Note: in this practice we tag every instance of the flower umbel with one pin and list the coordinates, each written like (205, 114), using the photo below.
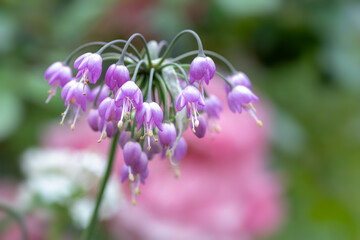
(149, 104)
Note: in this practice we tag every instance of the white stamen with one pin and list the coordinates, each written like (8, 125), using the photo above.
(75, 118)
(64, 115)
(252, 113)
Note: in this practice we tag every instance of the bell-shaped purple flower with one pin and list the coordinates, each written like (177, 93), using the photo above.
(137, 166)
(202, 69)
(108, 110)
(155, 148)
(194, 102)
(74, 94)
(93, 119)
(129, 96)
(96, 123)
(99, 94)
(241, 97)
(57, 74)
(167, 136)
(136, 172)
(200, 130)
(180, 151)
(108, 129)
(149, 115)
(116, 76)
(132, 152)
(213, 107)
(238, 79)
(89, 66)
(124, 138)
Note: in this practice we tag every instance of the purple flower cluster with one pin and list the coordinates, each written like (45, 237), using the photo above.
(132, 102)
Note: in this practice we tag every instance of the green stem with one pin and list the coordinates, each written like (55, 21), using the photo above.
(165, 98)
(225, 79)
(171, 45)
(151, 77)
(90, 229)
(17, 217)
(137, 69)
(210, 53)
(121, 59)
(179, 67)
(68, 59)
(109, 44)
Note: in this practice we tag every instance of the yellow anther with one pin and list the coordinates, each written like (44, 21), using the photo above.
(131, 177)
(189, 119)
(72, 127)
(120, 124)
(168, 152)
(84, 94)
(61, 123)
(148, 148)
(156, 140)
(127, 114)
(193, 130)
(137, 191)
(62, 114)
(103, 135)
(133, 202)
(129, 121)
(99, 141)
(133, 108)
(150, 133)
(217, 128)
(49, 92)
(259, 123)
(141, 137)
(196, 123)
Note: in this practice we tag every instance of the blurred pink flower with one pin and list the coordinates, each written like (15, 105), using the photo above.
(225, 190)
(35, 223)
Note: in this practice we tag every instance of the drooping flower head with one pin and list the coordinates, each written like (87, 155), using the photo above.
(129, 96)
(238, 79)
(108, 110)
(109, 113)
(98, 94)
(212, 109)
(136, 164)
(194, 102)
(116, 76)
(74, 93)
(149, 115)
(124, 137)
(155, 148)
(180, 151)
(167, 136)
(89, 66)
(202, 69)
(240, 98)
(200, 130)
(57, 74)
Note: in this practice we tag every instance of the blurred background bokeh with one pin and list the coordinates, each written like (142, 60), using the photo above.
(302, 56)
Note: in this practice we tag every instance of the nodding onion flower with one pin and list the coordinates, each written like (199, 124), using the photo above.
(141, 98)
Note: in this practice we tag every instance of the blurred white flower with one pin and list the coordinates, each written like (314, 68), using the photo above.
(69, 178)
